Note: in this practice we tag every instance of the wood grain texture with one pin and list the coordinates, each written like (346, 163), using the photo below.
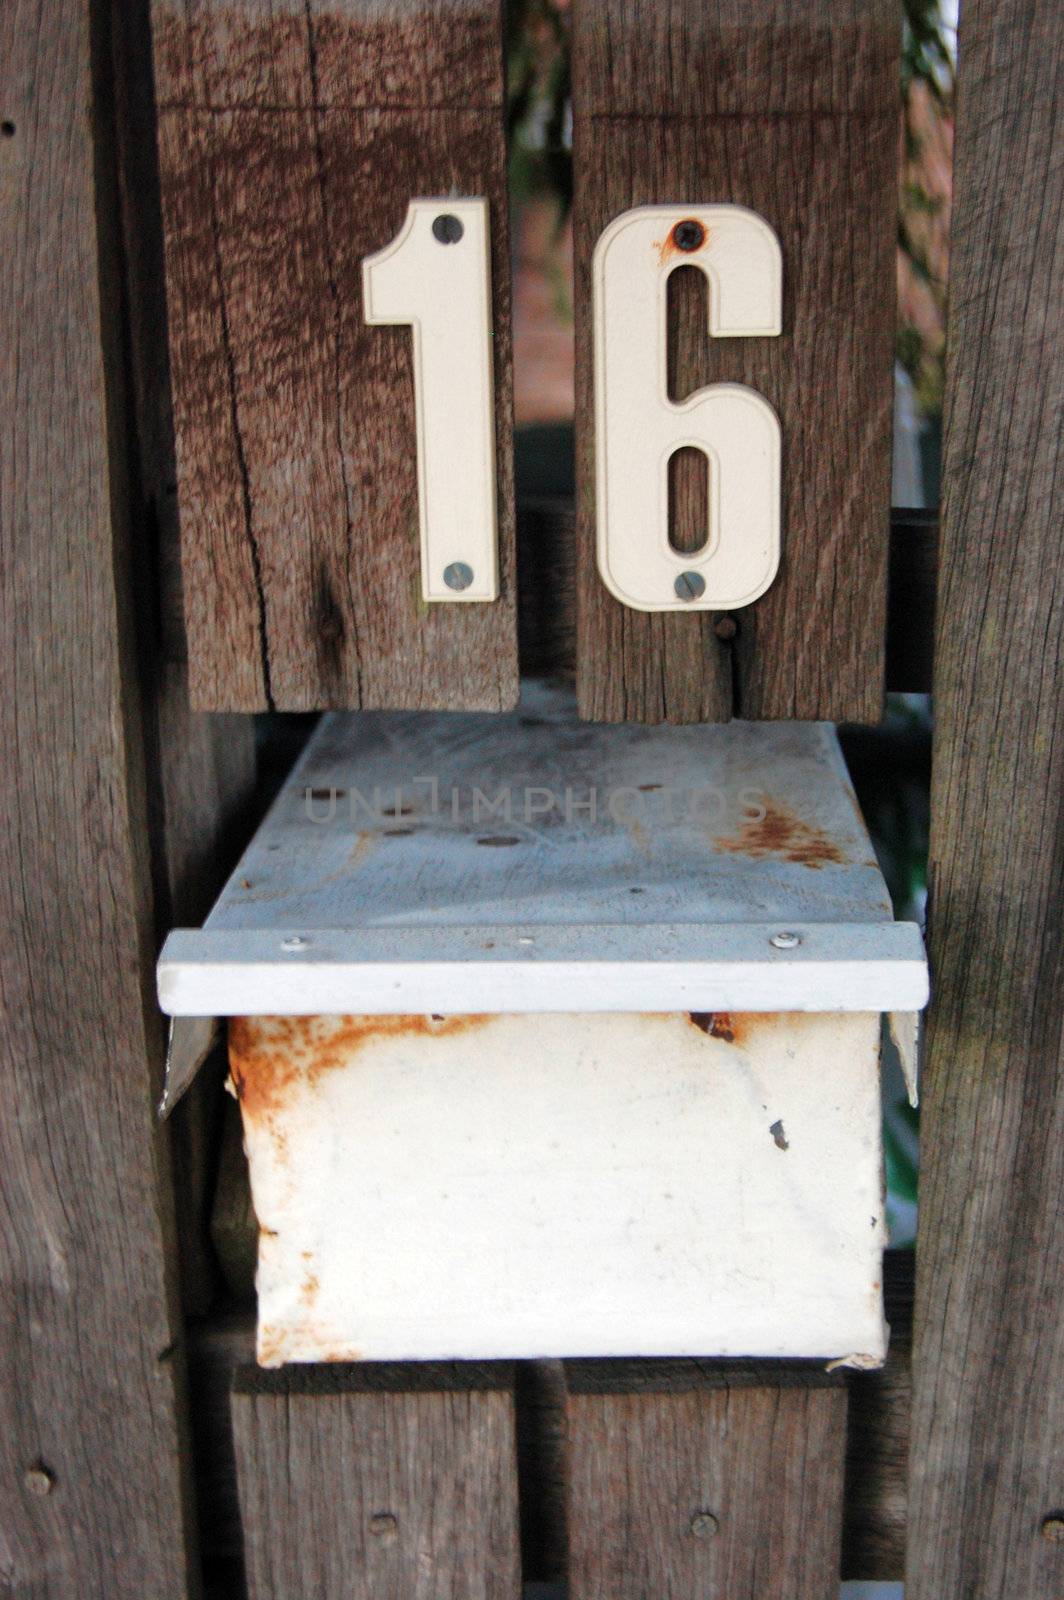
(693, 1480)
(201, 769)
(378, 1483)
(988, 1421)
(92, 1491)
(792, 111)
(291, 138)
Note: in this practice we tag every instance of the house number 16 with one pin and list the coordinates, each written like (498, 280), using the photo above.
(436, 276)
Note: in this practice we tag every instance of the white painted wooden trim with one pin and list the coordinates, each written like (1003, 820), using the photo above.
(866, 966)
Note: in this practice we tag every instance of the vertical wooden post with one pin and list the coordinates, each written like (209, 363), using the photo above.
(790, 109)
(92, 1490)
(987, 1467)
(200, 768)
(378, 1482)
(693, 1480)
(291, 139)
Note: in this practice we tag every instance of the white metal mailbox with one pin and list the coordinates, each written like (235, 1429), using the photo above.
(559, 1039)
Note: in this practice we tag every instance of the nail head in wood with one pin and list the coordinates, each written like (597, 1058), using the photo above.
(39, 1480)
(704, 1525)
(1053, 1528)
(384, 1526)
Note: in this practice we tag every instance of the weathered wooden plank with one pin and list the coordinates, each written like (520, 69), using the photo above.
(378, 1483)
(201, 769)
(876, 1454)
(987, 1464)
(92, 1492)
(291, 139)
(792, 111)
(693, 1480)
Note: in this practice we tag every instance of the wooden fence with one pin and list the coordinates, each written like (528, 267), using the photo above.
(216, 174)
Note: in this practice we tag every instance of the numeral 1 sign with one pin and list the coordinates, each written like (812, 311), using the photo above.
(638, 428)
(435, 276)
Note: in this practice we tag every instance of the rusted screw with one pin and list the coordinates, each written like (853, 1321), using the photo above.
(688, 235)
(725, 627)
(39, 1480)
(459, 575)
(704, 1525)
(1053, 1527)
(384, 1525)
(690, 585)
(447, 228)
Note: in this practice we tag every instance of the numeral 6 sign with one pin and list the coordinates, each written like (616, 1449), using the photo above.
(436, 276)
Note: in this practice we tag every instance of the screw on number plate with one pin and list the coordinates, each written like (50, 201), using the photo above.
(688, 235)
(690, 585)
(447, 228)
(295, 941)
(785, 941)
(458, 575)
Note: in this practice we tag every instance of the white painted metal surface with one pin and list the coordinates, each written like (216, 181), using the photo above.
(638, 427)
(565, 1185)
(530, 862)
(435, 276)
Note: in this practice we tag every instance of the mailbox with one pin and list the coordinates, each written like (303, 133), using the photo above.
(558, 1039)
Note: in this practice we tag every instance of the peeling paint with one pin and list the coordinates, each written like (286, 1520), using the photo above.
(742, 1028)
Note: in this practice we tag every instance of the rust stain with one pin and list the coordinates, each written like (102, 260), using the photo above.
(742, 1028)
(271, 1057)
(717, 1024)
(668, 248)
(275, 1346)
(780, 833)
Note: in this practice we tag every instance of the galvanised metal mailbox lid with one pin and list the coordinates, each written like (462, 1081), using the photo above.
(530, 862)
(553, 1039)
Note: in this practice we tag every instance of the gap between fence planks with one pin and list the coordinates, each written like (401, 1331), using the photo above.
(93, 1484)
(710, 1479)
(375, 1482)
(988, 1420)
(547, 600)
(291, 139)
(792, 110)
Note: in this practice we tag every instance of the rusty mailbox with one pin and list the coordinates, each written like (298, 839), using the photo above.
(558, 1039)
